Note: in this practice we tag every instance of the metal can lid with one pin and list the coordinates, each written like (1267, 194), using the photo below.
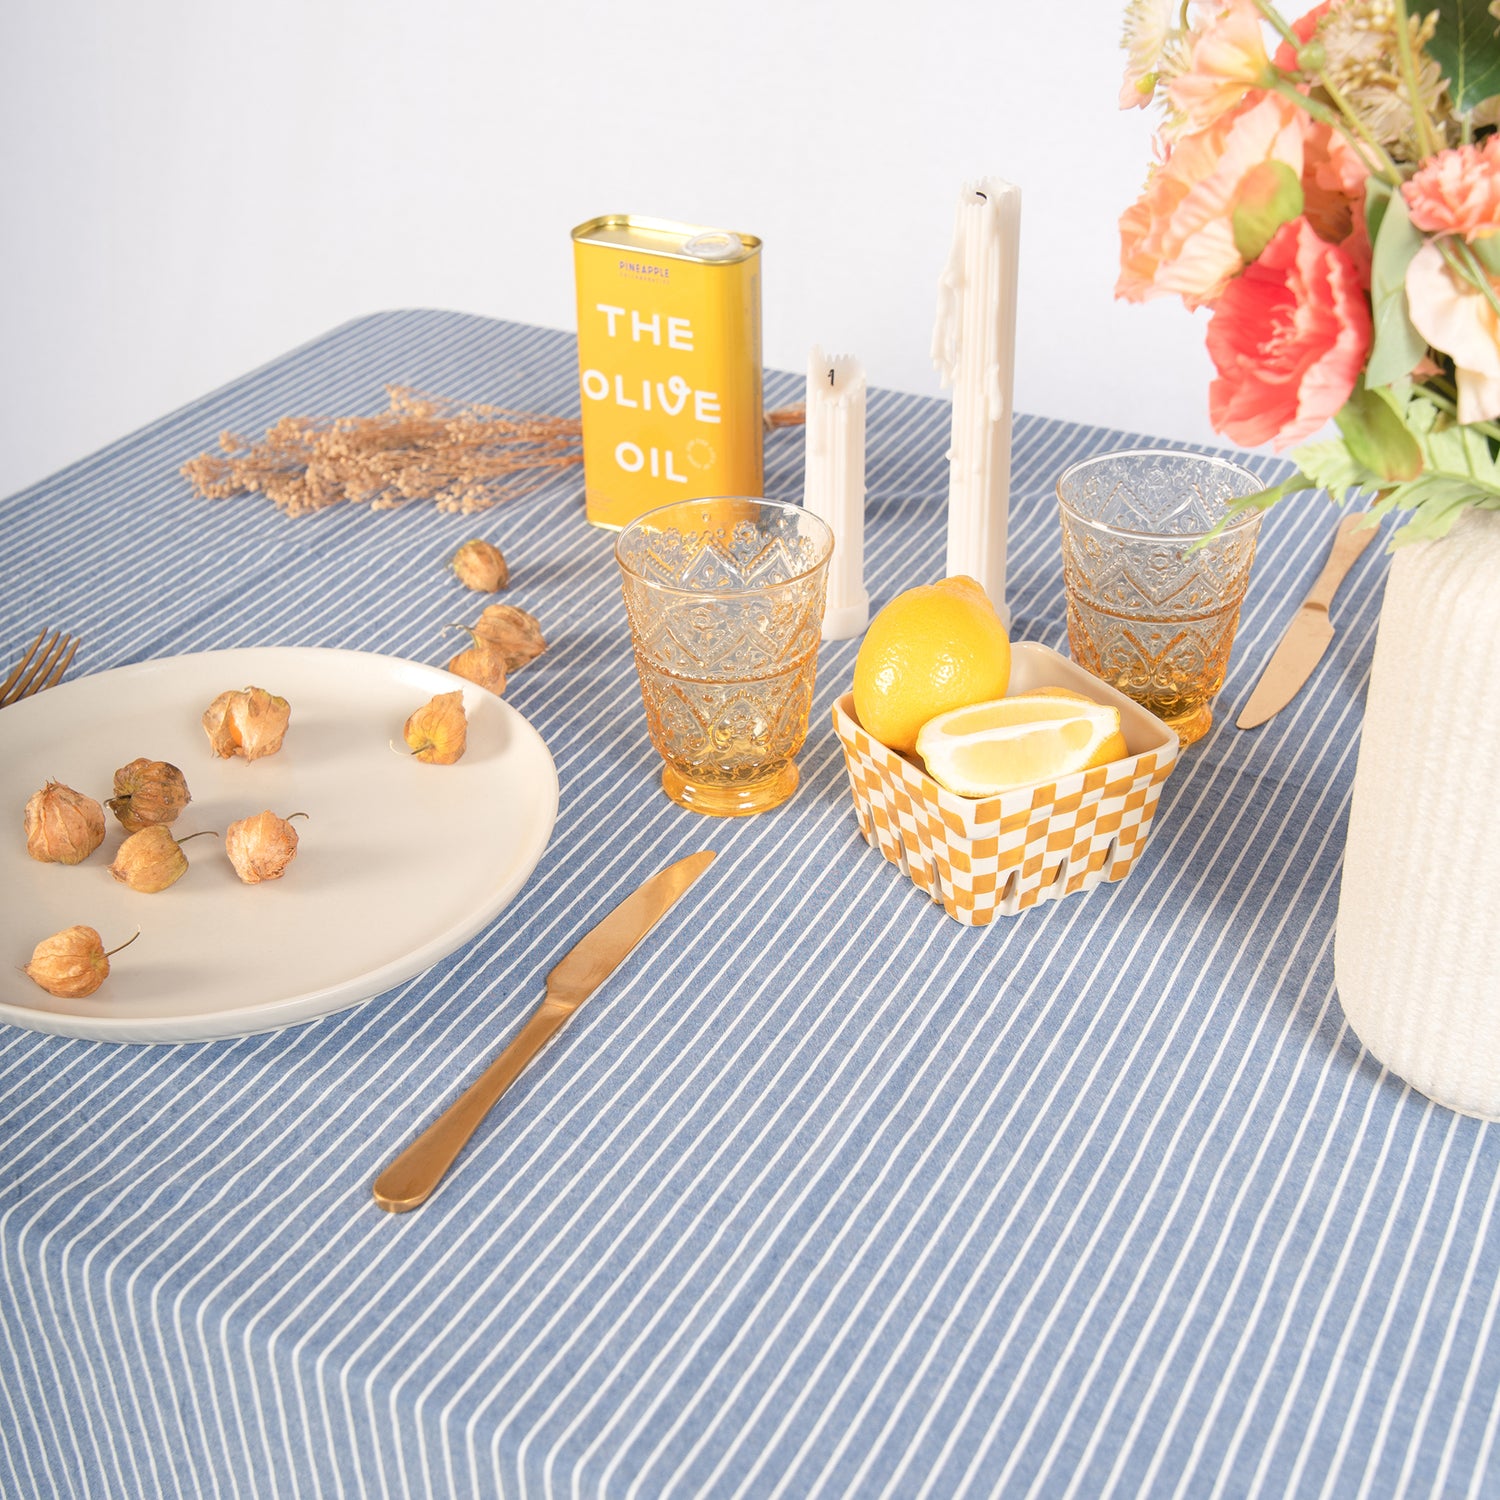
(714, 244)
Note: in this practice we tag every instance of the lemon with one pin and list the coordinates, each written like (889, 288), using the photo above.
(931, 649)
(985, 748)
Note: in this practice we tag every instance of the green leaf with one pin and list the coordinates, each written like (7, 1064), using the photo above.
(1487, 252)
(1397, 346)
(1269, 195)
(1377, 437)
(1377, 200)
(1330, 466)
(1464, 48)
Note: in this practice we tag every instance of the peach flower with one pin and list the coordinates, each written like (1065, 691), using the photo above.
(1288, 339)
(1227, 60)
(1456, 317)
(1458, 191)
(1333, 186)
(1179, 235)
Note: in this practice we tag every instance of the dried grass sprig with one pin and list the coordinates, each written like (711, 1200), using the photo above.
(462, 457)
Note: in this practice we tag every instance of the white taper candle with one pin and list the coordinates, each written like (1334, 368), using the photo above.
(835, 484)
(974, 349)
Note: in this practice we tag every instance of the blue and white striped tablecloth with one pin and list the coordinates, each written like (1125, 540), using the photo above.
(825, 1194)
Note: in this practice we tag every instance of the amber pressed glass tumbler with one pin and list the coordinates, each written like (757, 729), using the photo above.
(1153, 589)
(725, 601)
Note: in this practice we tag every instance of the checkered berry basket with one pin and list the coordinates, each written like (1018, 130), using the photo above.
(999, 855)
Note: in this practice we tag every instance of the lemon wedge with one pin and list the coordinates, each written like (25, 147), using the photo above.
(992, 747)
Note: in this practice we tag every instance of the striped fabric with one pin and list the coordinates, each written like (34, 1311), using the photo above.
(824, 1194)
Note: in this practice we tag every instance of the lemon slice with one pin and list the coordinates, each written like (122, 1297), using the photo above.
(1009, 742)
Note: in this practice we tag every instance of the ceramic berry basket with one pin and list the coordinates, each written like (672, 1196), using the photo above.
(996, 856)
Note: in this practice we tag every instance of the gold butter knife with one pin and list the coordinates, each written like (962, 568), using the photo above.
(1310, 634)
(411, 1177)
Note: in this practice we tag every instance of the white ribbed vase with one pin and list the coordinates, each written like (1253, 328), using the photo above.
(1417, 951)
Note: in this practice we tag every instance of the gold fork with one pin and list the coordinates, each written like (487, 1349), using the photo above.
(46, 659)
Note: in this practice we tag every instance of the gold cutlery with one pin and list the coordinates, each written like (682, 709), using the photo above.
(46, 659)
(409, 1180)
(1310, 634)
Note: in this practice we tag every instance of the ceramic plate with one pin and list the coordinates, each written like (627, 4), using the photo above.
(398, 862)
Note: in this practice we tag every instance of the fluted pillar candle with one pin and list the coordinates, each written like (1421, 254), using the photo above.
(834, 488)
(973, 347)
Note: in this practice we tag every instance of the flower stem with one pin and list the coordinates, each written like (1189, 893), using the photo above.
(1449, 405)
(1422, 125)
(1382, 166)
(1465, 265)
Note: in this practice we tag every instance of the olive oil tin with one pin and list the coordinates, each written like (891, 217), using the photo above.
(669, 364)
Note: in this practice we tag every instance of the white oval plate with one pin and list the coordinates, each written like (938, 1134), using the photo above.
(398, 863)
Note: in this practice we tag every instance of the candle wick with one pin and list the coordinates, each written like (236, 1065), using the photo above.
(830, 377)
(978, 194)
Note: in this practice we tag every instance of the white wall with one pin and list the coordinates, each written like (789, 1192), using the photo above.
(191, 187)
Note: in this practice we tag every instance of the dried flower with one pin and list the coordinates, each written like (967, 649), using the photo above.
(516, 633)
(481, 566)
(462, 457)
(71, 963)
(146, 792)
(261, 847)
(1148, 24)
(250, 722)
(152, 859)
(62, 826)
(482, 663)
(438, 732)
(1362, 61)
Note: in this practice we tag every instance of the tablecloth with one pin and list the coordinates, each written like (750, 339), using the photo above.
(824, 1193)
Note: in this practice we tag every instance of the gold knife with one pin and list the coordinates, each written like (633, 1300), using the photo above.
(1310, 634)
(411, 1177)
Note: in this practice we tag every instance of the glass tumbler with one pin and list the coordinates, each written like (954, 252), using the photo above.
(725, 601)
(1153, 599)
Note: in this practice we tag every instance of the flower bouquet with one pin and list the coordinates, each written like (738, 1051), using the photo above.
(1329, 188)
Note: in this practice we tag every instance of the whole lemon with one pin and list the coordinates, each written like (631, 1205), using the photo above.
(931, 649)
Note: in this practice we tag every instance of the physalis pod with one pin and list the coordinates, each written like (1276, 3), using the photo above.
(147, 792)
(152, 859)
(514, 633)
(62, 826)
(71, 963)
(481, 566)
(249, 722)
(438, 732)
(261, 847)
(482, 663)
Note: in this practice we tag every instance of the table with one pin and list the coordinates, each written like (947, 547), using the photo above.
(824, 1194)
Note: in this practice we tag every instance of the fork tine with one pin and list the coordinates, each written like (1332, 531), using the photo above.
(21, 666)
(56, 675)
(36, 679)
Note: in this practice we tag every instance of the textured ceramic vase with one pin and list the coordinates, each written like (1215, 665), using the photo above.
(1417, 951)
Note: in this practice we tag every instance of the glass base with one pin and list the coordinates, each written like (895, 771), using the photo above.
(737, 800)
(1191, 727)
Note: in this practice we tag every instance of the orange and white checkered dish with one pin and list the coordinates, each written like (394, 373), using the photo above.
(998, 855)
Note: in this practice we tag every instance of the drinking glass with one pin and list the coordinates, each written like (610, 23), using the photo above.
(725, 601)
(1153, 598)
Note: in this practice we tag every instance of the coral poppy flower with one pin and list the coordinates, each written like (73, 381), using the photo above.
(1289, 339)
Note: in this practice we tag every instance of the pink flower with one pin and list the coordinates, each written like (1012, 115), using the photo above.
(1178, 237)
(1288, 339)
(1458, 191)
(1457, 318)
(1227, 61)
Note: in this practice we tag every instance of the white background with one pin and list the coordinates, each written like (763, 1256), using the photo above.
(191, 188)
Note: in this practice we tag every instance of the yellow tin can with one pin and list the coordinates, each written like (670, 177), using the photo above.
(669, 364)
